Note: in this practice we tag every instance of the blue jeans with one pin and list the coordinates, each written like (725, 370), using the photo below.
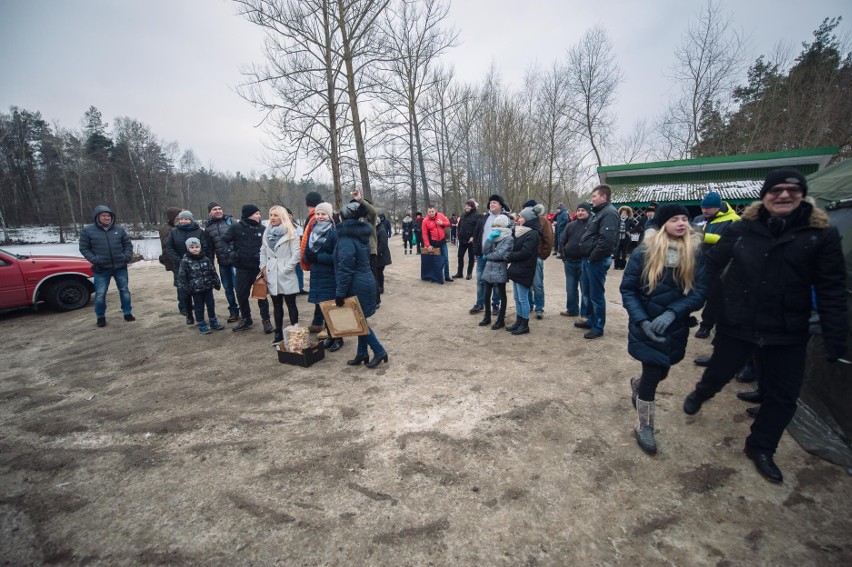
(372, 341)
(480, 285)
(445, 252)
(536, 296)
(595, 275)
(573, 278)
(228, 274)
(522, 301)
(102, 285)
(300, 275)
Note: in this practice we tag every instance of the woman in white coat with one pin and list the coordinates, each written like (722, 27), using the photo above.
(279, 256)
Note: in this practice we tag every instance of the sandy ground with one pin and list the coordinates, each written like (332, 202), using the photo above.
(147, 443)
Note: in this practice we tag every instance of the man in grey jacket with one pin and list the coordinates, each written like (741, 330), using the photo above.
(596, 246)
(107, 247)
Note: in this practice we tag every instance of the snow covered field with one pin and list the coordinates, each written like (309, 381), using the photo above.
(45, 240)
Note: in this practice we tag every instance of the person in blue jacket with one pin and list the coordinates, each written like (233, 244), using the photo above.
(663, 283)
(106, 245)
(354, 276)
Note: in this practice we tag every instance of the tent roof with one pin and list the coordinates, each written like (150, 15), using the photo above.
(831, 184)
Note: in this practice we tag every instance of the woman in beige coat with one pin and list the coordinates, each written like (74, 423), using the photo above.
(279, 256)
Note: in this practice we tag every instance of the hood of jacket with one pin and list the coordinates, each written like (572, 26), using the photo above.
(353, 228)
(102, 209)
(726, 213)
(817, 218)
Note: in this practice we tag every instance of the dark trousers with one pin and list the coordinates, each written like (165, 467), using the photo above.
(184, 299)
(380, 278)
(374, 267)
(465, 248)
(278, 309)
(453, 232)
(652, 375)
(406, 242)
(781, 371)
(417, 243)
(202, 299)
(242, 288)
(501, 292)
(621, 253)
(714, 299)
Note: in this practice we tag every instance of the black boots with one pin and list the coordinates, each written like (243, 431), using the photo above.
(487, 319)
(523, 326)
(359, 358)
(764, 464)
(692, 403)
(499, 324)
(645, 428)
(754, 397)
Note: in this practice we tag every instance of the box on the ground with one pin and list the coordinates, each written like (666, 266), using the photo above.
(305, 358)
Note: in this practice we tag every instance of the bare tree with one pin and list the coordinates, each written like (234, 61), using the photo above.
(594, 76)
(709, 61)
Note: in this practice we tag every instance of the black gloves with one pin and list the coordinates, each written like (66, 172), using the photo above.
(338, 301)
(310, 256)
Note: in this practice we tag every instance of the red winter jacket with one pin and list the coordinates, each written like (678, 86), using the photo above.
(432, 231)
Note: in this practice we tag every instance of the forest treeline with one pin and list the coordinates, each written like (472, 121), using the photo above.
(355, 91)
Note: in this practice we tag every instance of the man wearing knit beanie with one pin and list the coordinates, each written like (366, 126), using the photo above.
(244, 239)
(467, 229)
(781, 260)
(545, 247)
(597, 245)
(217, 225)
(715, 218)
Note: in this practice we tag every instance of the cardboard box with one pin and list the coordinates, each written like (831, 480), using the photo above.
(304, 359)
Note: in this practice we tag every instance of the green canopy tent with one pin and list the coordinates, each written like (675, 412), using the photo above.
(823, 421)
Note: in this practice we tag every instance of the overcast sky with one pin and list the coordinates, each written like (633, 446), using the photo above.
(173, 64)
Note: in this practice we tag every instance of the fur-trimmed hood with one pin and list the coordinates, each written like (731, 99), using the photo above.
(627, 210)
(817, 218)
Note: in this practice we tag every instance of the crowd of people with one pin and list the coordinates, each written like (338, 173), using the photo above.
(758, 277)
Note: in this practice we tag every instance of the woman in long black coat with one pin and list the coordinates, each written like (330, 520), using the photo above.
(522, 265)
(354, 277)
(663, 283)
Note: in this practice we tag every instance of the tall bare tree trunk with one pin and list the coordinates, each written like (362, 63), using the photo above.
(332, 110)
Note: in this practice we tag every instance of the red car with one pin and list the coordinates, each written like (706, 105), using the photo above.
(64, 282)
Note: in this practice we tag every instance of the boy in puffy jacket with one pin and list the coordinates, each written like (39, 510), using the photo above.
(198, 278)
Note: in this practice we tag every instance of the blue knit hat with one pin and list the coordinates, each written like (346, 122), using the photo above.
(711, 200)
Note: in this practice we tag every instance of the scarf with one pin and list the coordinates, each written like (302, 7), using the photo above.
(407, 218)
(521, 230)
(672, 257)
(274, 234)
(318, 235)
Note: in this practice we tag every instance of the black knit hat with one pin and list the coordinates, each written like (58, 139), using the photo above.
(530, 203)
(313, 199)
(785, 175)
(212, 204)
(668, 211)
(585, 206)
(249, 210)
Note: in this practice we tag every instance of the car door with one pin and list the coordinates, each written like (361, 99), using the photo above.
(13, 292)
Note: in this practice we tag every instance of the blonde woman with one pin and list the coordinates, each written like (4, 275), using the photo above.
(279, 256)
(662, 284)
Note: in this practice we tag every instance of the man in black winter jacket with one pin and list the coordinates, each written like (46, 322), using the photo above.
(244, 239)
(780, 261)
(466, 230)
(216, 227)
(572, 258)
(107, 247)
(597, 245)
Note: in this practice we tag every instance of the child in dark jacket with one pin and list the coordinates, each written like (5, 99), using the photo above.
(198, 278)
(664, 282)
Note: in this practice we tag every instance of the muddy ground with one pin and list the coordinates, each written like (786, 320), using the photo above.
(147, 443)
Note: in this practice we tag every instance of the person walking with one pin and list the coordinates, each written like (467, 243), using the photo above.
(279, 256)
(779, 259)
(217, 225)
(466, 232)
(572, 260)
(496, 272)
(107, 247)
(662, 284)
(596, 245)
(354, 277)
(244, 239)
(522, 266)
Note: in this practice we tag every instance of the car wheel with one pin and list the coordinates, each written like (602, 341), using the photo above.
(68, 295)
